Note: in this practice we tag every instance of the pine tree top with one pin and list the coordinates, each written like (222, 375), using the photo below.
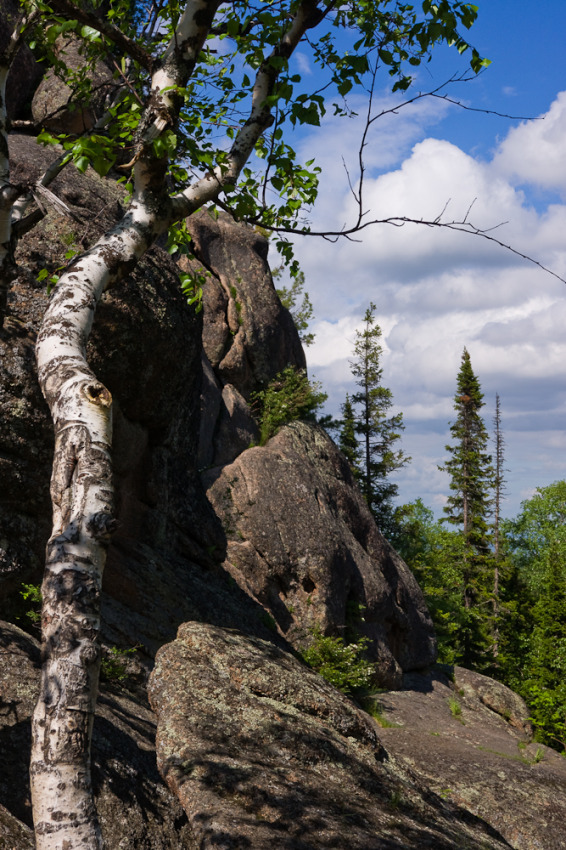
(468, 388)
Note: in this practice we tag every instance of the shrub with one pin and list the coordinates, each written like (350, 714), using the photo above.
(289, 396)
(455, 708)
(340, 664)
(113, 666)
(24, 608)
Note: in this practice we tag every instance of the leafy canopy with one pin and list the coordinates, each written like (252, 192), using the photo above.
(347, 43)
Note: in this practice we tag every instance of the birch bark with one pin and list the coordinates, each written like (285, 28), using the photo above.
(81, 485)
(81, 493)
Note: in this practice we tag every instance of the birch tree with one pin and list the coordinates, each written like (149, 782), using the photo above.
(204, 92)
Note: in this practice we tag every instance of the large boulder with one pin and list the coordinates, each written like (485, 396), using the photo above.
(55, 104)
(163, 564)
(248, 336)
(25, 72)
(302, 541)
(263, 753)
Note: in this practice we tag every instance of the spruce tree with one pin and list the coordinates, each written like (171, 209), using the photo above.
(347, 440)
(379, 432)
(498, 495)
(469, 509)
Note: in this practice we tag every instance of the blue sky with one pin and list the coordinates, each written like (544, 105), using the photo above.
(437, 292)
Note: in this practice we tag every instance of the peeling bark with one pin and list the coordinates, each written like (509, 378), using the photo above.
(81, 484)
(82, 495)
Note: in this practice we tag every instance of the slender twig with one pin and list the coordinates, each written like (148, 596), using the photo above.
(463, 226)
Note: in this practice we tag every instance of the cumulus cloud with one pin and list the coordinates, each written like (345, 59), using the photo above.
(533, 152)
(437, 291)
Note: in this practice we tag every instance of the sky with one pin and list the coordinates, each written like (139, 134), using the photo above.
(437, 291)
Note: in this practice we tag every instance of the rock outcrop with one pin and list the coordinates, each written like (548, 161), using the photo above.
(26, 72)
(136, 810)
(302, 541)
(248, 336)
(57, 106)
(255, 746)
(163, 564)
(468, 739)
(263, 753)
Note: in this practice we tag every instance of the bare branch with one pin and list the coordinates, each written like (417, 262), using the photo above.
(462, 226)
(41, 193)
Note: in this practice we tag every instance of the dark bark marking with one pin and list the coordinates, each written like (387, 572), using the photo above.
(102, 525)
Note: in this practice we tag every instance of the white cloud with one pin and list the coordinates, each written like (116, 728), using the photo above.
(437, 291)
(533, 152)
(303, 63)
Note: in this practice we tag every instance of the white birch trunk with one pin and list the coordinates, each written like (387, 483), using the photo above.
(81, 484)
(81, 492)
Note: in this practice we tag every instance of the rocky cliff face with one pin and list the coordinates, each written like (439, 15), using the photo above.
(254, 749)
(301, 540)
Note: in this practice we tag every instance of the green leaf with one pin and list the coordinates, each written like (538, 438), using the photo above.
(90, 34)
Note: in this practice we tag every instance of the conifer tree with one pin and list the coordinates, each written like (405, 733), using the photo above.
(498, 493)
(298, 302)
(469, 508)
(347, 440)
(379, 432)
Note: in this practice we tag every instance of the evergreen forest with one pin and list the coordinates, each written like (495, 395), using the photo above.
(495, 588)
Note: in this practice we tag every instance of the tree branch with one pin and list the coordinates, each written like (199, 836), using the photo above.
(260, 118)
(112, 33)
(462, 226)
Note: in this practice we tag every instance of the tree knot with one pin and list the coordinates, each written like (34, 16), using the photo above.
(98, 394)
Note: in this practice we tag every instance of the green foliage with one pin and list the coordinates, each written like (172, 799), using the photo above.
(31, 595)
(378, 432)
(372, 706)
(532, 602)
(469, 466)
(113, 666)
(297, 301)
(192, 287)
(469, 510)
(268, 621)
(348, 44)
(455, 708)
(535, 641)
(341, 664)
(24, 608)
(347, 440)
(437, 556)
(288, 397)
